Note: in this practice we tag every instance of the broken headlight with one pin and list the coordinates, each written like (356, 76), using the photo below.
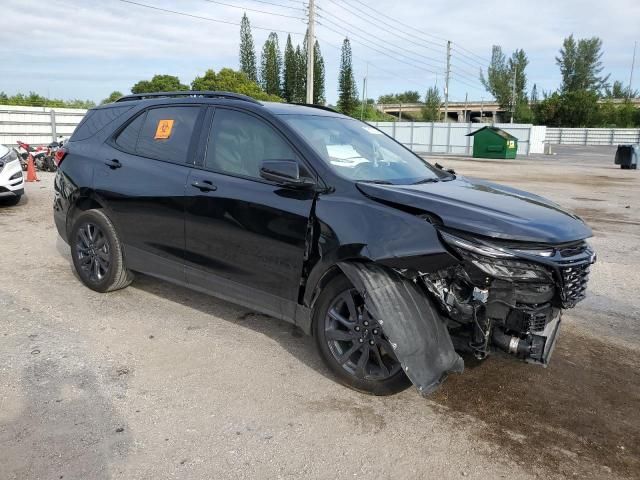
(495, 261)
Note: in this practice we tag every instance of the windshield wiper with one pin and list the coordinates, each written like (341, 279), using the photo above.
(379, 182)
(426, 180)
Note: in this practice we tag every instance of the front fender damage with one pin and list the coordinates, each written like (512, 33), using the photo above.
(414, 327)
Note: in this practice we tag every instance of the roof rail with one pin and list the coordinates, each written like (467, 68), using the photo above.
(314, 105)
(188, 93)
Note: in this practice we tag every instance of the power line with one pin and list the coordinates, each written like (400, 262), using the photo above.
(396, 52)
(253, 9)
(419, 32)
(378, 51)
(388, 72)
(484, 60)
(393, 30)
(209, 19)
(282, 6)
(377, 19)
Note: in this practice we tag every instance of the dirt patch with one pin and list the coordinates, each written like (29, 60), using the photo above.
(594, 215)
(579, 415)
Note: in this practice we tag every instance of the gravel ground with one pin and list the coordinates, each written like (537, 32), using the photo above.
(156, 381)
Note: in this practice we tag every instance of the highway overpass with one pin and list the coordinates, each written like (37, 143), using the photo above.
(472, 111)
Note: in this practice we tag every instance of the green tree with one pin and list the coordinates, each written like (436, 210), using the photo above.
(432, 101)
(113, 96)
(33, 99)
(229, 80)
(300, 90)
(318, 76)
(159, 83)
(410, 96)
(290, 77)
(581, 65)
(500, 80)
(534, 94)
(271, 66)
(347, 89)
(248, 64)
(618, 90)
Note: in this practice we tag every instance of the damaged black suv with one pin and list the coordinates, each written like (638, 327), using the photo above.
(393, 265)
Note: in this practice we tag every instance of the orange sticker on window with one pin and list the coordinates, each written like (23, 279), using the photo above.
(163, 130)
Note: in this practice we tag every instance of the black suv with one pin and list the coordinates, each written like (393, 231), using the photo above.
(393, 265)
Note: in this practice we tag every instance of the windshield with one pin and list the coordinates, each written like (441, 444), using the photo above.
(359, 152)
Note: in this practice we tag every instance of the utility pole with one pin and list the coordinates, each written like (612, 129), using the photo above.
(446, 82)
(633, 65)
(464, 112)
(481, 109)
(311, 42)
(513, 92)
(364, 92)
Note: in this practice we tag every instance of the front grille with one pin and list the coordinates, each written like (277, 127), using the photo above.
(574, 284)
(575, 249)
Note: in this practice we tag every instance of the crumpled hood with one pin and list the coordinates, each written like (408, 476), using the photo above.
(486, 209)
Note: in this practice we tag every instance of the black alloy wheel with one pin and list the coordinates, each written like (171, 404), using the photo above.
(353, 344)
(93, 252)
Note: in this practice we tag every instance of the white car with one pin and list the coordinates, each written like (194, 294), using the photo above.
(11, 178)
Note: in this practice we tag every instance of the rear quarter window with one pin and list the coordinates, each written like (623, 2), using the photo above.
(96, 120)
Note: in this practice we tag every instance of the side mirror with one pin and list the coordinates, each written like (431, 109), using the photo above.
(284, 172)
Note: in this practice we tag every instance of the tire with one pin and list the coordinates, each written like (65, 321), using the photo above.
(10, 201)
(379, 373)
(97, 253)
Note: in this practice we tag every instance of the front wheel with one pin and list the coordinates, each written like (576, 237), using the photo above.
(97, 253)
(352, 343)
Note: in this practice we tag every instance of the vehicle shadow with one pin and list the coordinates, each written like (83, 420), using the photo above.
(288, 336)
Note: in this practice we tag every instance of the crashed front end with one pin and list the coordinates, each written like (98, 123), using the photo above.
(508, 295)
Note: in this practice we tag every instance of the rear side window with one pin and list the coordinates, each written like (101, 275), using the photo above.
(166, 133)
(128, 138)
(96, 120)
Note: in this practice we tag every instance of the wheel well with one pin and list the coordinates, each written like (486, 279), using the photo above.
(82, 204)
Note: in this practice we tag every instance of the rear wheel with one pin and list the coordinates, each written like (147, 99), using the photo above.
(352, 343)
(97, 253)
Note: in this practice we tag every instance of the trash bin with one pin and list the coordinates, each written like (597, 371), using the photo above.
(493, 142)
(627, 156)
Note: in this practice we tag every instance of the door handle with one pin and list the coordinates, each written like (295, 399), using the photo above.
(204, 186)
(113, 164)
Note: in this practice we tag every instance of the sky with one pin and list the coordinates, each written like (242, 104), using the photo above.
(86, 49)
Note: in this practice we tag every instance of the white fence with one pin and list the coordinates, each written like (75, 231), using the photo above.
(37, 125)
(592, 136)
(451, 138)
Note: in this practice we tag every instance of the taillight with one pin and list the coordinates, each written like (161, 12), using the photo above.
(59, 156)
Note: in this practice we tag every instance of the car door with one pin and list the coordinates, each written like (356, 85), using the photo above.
(245, 236)
(142, 181)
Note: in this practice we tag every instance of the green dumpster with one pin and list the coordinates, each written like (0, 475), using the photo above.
(493, 142)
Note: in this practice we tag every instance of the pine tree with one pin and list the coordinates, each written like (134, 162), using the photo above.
(300, 92)
(290, 75)
(581, 65)
(247, 51)
(432, 102)
(318, 76)
(271, 66)
(347, 90)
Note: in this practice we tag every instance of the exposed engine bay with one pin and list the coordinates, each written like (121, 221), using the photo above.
(507, 295)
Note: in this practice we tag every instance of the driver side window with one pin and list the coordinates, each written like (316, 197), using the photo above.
(239, 143)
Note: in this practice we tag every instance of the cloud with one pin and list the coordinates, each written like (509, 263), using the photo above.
(82, 48)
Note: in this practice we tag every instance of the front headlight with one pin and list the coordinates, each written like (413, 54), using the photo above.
(9, 157)
(496, 261)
